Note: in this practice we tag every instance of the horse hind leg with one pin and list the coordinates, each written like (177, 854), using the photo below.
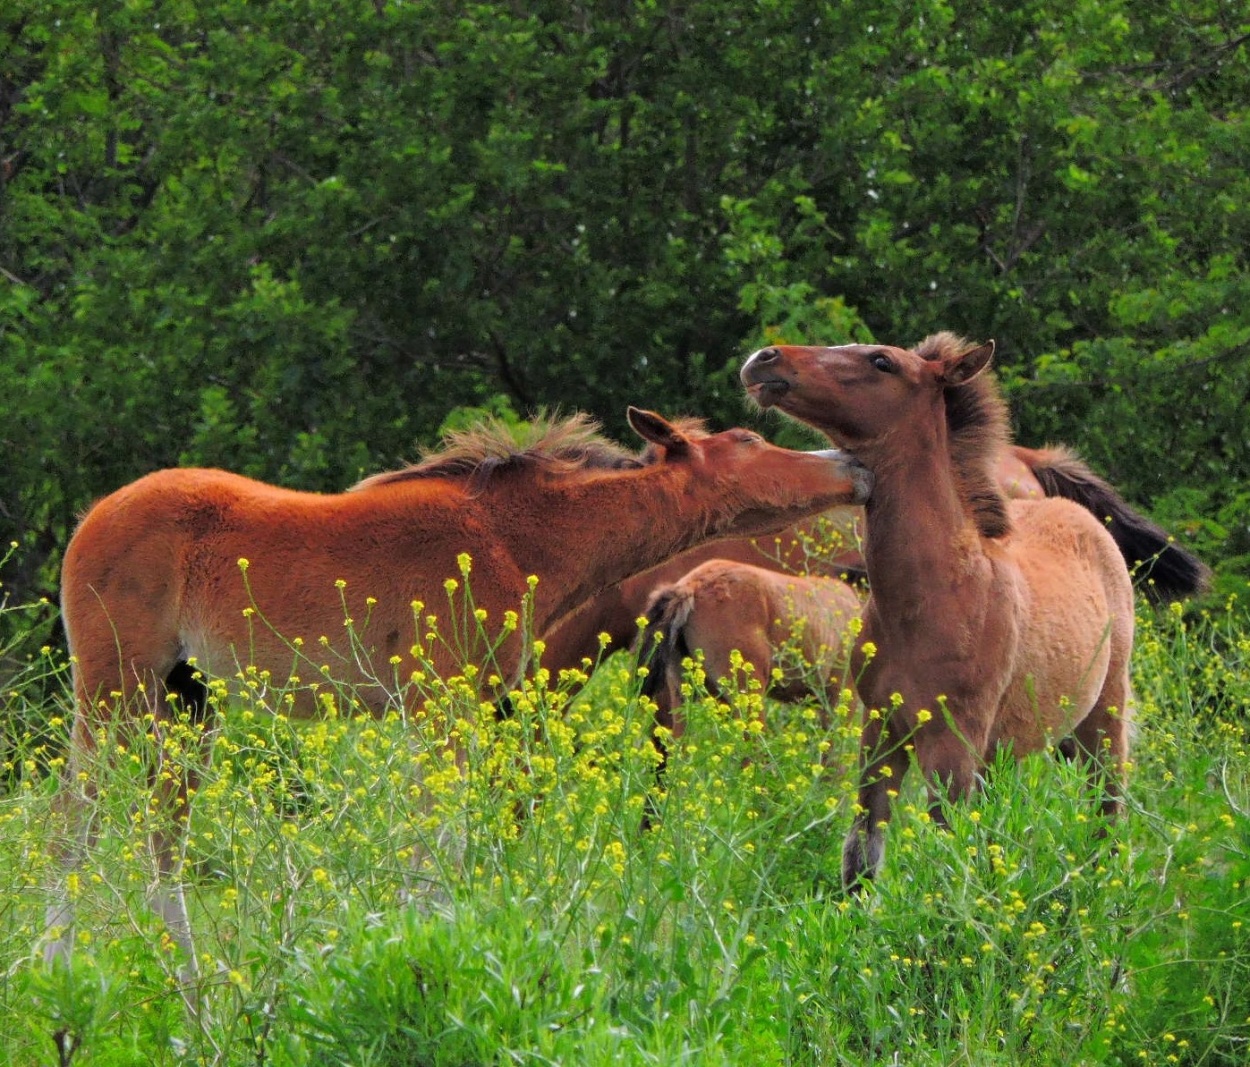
(1103, 737)
(108, 709)
(101, 702)
(74, 812)
(174, 782)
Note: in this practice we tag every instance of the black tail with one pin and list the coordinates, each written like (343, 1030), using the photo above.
(661, 647)
(662, 643)
(1164, 569)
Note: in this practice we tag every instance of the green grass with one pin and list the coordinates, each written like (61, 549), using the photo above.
(361, 897)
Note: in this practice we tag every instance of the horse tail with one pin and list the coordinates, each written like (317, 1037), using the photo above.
(1166, 570)
(662, 645)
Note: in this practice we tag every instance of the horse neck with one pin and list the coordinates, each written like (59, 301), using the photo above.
(615, 527)
(916, 527)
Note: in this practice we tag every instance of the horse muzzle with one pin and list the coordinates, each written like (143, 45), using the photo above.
(860, 476)
(761, 376)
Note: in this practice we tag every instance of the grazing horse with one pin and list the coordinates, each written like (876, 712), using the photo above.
(793, 628)
(1164, 569)
(989, 622)
(155, 593)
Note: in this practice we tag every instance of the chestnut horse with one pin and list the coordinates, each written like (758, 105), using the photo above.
(154, 590)
(793, 628)
(1164, 569)
(805, 548)
(989, 622)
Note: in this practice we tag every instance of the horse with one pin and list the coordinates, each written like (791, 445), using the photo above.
(187, 574)
(793, 628)
(989, 623)
(826, 545)
(1164, 569)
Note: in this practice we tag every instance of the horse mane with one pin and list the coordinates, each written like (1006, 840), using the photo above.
(978, 429)
(493, 446)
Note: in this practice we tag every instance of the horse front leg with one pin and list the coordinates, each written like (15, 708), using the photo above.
(949, 752)
(948, 760)
(883, 762)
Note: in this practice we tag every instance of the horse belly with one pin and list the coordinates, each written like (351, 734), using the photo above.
(293, 679)
(285, 646)
(1052, 694)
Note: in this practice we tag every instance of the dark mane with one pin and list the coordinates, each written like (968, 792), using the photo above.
(493, 446)
(979, 430)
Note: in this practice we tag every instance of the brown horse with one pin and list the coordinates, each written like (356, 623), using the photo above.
(155, 593)
(793, 628)
(1164, 569)
(825, 546)
(989, 623)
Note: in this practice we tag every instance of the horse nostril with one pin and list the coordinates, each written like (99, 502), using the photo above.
(764, 375)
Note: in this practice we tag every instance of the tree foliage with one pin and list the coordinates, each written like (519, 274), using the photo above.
(289, 238)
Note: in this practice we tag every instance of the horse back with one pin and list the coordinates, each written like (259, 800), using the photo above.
(1052, 533)
(140, 536)
(205, 564)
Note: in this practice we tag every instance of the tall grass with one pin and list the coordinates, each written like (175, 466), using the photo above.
(444, 887)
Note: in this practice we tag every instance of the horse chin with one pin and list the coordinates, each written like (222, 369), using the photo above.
(760, 522)
(768, 393)
(813, 413)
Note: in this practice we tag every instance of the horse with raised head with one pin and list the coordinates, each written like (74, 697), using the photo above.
(156, 595)
(995, 622)
(1164, 569)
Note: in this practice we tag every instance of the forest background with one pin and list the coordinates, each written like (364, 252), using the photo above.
(294, 238)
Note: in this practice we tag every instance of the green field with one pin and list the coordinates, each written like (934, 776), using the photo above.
(360, 896)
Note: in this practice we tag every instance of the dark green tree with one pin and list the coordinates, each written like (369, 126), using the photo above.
(289, 238)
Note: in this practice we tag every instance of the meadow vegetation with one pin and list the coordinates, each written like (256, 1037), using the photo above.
(447, 887)
(289, 238)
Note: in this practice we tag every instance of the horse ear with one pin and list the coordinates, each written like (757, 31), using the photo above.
(967, 365)
(658, 430)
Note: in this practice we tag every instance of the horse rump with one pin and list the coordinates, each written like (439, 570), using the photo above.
(1163, 568)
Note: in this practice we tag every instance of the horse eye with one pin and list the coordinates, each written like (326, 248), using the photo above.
(883, 363)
